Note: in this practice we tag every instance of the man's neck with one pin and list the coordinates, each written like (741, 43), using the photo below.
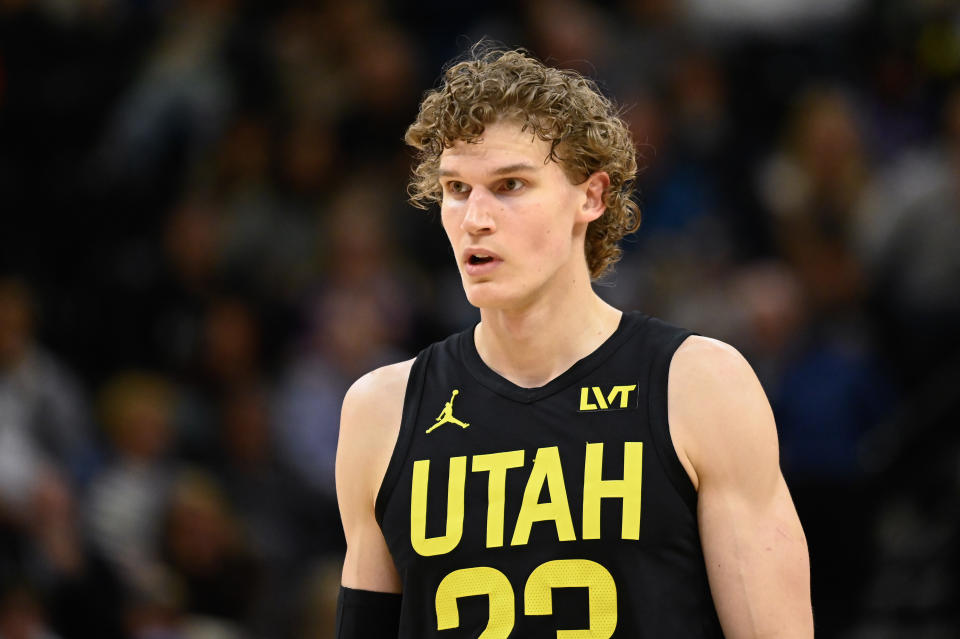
(534, 345)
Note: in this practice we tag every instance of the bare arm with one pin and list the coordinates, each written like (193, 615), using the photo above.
(753, 545)
(369, 424)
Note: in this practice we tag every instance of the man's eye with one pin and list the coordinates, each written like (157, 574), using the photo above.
(512, 184)
(456, 187)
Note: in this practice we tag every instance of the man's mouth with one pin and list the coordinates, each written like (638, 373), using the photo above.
(479, 259)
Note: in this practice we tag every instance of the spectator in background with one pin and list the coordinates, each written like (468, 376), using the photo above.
(268, 234)
(347, 329)
(227, 357)
(230, 353)
(156, 611)
(180, 100)
(305, 41)
(44, 552)
(44, 417)
(154, 316)
(204, 549)
(691, 219)
(358, 316)
(81, 590)
(897, 109)
(268, 504)
(190, 274)
(270, 201)
(126, 500)
(379, 78)
(812, 186)
(829, 386)
(572, 32)
(908, 232)
(22, 616)
(46, 452)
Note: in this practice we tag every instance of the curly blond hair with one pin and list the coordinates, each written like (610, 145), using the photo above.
(558, 106)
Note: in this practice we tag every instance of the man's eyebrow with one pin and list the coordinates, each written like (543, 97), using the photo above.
(514, 168)
(503, 170)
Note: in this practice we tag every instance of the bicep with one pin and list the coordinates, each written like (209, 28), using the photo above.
(757, 563)
(362, 455)
(753, 544)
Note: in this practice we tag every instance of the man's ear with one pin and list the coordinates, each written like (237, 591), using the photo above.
(595, 186)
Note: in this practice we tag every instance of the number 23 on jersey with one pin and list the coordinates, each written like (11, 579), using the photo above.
(537, 596)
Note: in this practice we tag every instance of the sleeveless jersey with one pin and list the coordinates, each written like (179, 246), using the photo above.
(558, 511)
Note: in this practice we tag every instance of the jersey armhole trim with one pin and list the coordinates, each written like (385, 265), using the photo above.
(660, 423)
(411, 406)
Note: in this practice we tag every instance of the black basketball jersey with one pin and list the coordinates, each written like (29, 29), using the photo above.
(558, 511)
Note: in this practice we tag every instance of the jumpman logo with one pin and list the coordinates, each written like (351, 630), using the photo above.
(446, 415)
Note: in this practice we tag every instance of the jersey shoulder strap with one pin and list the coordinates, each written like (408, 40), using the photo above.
(663, 340)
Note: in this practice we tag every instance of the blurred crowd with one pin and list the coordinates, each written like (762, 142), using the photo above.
(204, 240)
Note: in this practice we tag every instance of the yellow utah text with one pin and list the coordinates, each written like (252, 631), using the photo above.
(547, 470)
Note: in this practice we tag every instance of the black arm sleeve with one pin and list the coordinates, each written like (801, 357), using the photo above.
(364, 614)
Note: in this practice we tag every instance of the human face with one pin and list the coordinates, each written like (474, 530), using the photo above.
(515, 221)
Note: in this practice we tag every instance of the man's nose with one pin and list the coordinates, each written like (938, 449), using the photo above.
(479, 218)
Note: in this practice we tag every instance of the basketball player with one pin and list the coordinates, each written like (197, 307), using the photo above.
(561, 469)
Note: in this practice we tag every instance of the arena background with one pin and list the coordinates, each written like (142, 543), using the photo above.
(205, 239)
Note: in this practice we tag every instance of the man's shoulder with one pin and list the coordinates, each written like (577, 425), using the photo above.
(716, 404)
(380, 387)
(705, 371)
(369, 425)
(704, 355)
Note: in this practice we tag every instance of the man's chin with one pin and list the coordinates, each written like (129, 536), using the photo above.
(486, 294)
